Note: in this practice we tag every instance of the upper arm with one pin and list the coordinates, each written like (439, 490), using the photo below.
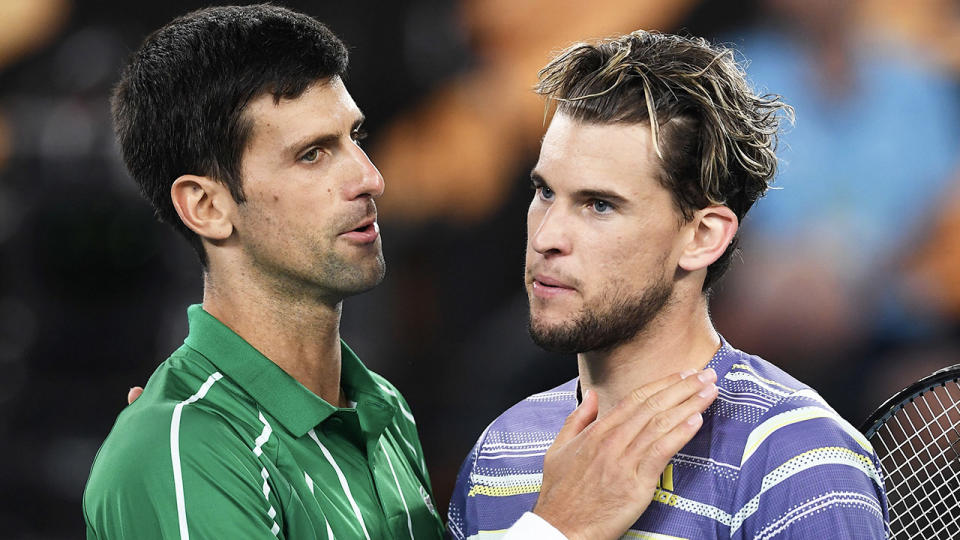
(461, 516)
(189, 476)
(226, 488)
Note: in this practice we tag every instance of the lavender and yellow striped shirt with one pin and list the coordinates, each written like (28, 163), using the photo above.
(772, 460)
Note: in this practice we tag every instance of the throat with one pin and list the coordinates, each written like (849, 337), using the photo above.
(615, 373)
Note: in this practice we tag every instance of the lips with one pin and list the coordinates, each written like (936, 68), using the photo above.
(365, 232)
(550, 281)
(546, 286)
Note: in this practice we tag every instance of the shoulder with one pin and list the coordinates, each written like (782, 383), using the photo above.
(387, 387)
(540, 413)
(503, 472)
(187, 421)
(404, 418)
(787, 408)
(530, 425)
(521, 435)
(799, 457)
(750, 387)
(185, 403)
(774, 405)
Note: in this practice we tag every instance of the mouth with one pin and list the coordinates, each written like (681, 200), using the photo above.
(366, 232)
(548, 287)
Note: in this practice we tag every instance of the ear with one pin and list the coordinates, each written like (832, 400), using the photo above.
(204, 205)
(713, 229)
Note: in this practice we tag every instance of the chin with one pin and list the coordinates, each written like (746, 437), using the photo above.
(377, 271)
(543, 323)
(370, 277)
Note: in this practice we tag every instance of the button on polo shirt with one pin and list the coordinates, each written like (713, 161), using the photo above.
(224, 444)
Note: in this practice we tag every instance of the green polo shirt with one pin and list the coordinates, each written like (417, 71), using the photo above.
(225, 444)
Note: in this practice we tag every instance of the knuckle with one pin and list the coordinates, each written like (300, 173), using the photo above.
(660, 451)
(655, 403)
(639, 395)
(661, 423)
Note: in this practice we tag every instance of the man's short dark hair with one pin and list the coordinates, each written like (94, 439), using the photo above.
(179, 105)
(715, 137)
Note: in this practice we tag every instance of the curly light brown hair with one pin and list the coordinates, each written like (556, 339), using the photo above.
(716, 138)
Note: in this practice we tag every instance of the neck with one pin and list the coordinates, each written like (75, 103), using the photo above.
(680, 338)
(298, 333)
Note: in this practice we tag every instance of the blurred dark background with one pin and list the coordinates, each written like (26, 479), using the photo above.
(849, 279)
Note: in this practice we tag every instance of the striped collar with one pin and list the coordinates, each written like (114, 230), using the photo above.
(297, 408)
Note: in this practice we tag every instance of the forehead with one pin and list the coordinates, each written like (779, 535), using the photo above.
(325, 107)
(619, 153)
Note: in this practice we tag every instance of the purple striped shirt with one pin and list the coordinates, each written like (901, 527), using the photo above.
(772, 460)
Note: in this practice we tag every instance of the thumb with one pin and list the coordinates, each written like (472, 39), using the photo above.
(579, 419)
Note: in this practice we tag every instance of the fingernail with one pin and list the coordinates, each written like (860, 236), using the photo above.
(687, 373)
(707, 375)
(694, 420)
(707, 392)
(586, 395)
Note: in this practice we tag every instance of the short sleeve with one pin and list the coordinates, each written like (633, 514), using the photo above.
(461, 516)
(196, 477)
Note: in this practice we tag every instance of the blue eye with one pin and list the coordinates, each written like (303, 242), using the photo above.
(601, 206)
(546, 193)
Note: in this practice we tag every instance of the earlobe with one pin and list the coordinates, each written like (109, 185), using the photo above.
(204, 206)
(713, 229)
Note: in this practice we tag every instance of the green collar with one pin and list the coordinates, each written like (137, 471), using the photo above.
(282, 396)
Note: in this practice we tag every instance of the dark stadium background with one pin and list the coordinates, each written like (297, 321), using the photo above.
(93, 291)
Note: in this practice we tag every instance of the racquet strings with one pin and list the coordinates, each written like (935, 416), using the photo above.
(919, 451)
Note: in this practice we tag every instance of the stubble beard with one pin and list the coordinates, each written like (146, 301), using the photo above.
(329, 278)
(350, 278)
(613, 320)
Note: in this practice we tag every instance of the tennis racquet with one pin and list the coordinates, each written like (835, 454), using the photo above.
(916, 434)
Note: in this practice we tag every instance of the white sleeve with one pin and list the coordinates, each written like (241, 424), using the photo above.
(532, 527)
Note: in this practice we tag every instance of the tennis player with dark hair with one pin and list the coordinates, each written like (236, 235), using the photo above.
(237, 126)
(657, 150)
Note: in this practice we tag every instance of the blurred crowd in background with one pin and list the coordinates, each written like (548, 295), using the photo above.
(850, 270)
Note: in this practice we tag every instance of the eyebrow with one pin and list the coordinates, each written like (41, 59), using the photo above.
(584, 194)
(323, 140)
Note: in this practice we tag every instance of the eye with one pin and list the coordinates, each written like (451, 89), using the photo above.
(311, 156)
(358, 135)
(601, 206)
(545, 193)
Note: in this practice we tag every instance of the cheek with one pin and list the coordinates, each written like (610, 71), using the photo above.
(619, 256)
(534, 216)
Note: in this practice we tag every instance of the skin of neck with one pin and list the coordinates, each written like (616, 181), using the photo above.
(296, 329)
(679, 338)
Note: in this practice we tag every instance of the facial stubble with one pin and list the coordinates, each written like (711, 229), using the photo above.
(614, 319)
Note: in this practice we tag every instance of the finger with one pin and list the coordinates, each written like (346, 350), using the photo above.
(666, 422)
(579, 419)
(677, 393)
(636, 409)
(133, 394)
(659, 385)
(652, 458)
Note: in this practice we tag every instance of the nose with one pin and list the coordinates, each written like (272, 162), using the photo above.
(546, 229)
(369, 182)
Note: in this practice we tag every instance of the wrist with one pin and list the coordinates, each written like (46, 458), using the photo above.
(557, 522)
(533, 526)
